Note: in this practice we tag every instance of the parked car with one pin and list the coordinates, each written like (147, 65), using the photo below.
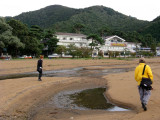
(6, 57)
(67, 56)
(53, 56)
(158, 53)
(25, 57)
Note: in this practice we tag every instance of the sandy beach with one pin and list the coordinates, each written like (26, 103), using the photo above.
(26, 98)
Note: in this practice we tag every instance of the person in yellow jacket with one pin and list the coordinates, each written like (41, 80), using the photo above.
(144, 94)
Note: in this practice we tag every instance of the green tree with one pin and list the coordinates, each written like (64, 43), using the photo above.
(119, 33)
(19, 29)
(14, 45)
(149, 40)
(78, 27)
(95, 40)
(2, 45)
(50, 41)
(22, 32)
(5, 31)
(158, 44)
(37, 32)
(33, 46)
(85, 52)
(72, 50)
(61, 49)
(7, 40)
(34, 40)
(105, 31)
(153, 46)
(100, 53)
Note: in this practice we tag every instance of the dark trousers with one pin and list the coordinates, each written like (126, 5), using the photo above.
(40, 74)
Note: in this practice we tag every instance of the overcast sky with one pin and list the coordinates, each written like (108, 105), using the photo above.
(141, 9)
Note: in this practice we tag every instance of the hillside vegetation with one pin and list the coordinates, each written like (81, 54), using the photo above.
(153, 28)
(63, 19)
(98, 20)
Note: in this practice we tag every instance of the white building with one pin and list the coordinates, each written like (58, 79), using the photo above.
(66, 39)
(112, 43)
(116, 43)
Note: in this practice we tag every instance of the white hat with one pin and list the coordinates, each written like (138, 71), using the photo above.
(142, 60)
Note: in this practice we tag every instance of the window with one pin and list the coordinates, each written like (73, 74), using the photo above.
(71, 38)
(64, 38)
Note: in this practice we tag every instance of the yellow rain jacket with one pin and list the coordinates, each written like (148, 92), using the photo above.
(139, 71)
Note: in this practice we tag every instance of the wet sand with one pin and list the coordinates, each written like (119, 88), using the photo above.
(27, 98)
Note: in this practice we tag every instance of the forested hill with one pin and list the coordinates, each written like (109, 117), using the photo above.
(95, 17)
(47, 16)
(153, 28)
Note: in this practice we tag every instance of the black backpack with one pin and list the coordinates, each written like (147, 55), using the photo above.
(146, 82)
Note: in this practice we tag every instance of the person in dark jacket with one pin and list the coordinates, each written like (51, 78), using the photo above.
(39, 67)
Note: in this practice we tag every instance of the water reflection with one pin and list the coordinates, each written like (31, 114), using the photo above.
(89, 99)
(75, 72)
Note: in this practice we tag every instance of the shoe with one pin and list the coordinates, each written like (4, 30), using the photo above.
(144, 107)
(39, 80)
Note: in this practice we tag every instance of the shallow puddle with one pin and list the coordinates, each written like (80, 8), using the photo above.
(89, 99)
(75, 72)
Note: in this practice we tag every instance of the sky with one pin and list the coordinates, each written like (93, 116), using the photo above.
(141, 9)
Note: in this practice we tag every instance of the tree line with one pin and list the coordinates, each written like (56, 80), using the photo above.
(16, 38)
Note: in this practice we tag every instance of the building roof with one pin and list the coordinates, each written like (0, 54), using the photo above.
(113, 36)
(106, 37)
(70, 34)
